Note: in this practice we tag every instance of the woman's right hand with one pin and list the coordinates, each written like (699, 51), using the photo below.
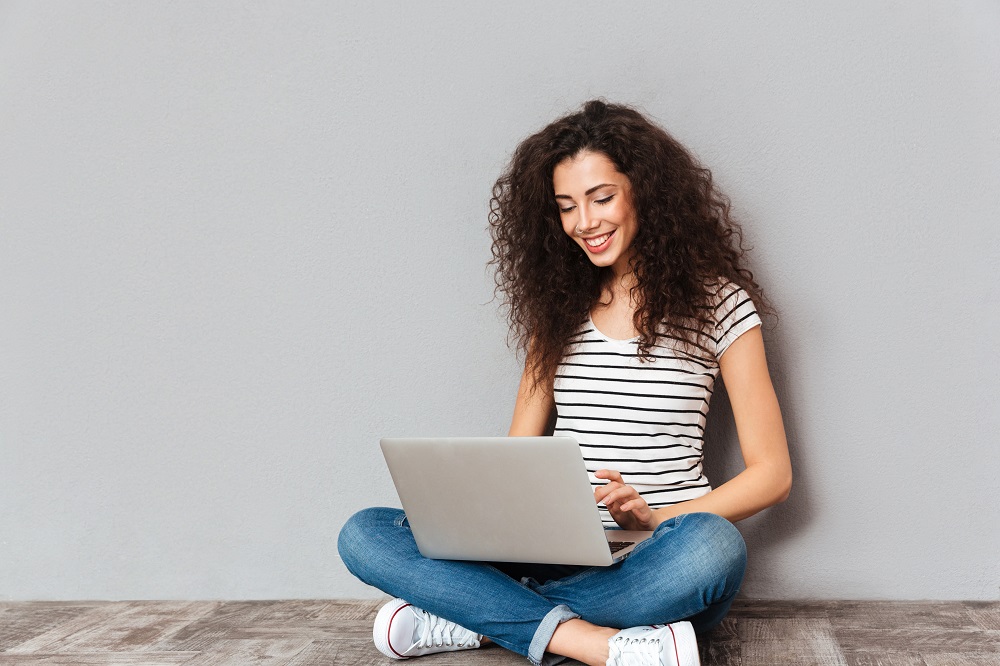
(624, 502)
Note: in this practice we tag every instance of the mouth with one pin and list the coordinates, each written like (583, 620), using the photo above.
(599, 244)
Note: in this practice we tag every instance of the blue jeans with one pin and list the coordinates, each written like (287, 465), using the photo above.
(691, 568)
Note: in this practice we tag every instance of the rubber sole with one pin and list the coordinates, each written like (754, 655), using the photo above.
(686, 643)
(380, 630)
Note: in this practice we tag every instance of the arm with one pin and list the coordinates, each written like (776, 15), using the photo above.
(767, 478)
(531, 410)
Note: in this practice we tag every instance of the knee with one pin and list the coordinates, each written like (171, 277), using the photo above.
(722, 554)
(355, 541)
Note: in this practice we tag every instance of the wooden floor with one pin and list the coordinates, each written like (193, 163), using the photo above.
(314, 632)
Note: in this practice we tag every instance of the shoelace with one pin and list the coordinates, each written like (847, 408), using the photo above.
(437, 631)
(623, 647)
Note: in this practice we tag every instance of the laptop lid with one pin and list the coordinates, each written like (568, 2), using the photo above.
(501, 499)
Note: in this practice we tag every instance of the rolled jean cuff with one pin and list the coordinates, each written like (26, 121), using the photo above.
(540, 641)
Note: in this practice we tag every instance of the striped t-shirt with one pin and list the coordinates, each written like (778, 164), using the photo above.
(646, 420)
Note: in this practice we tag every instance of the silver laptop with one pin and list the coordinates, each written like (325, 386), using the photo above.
(503, 499)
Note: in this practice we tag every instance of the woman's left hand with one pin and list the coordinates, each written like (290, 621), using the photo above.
(626, 506)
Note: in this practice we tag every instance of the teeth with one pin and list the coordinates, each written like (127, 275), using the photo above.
(594, 242)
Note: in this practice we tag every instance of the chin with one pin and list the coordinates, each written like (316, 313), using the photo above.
(602, 260)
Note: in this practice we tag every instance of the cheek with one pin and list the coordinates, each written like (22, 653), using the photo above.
(629, 222)
(628, 231)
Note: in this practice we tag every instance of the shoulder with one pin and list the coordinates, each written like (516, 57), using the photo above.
(723, 296)
(731, 311)
(721, 289)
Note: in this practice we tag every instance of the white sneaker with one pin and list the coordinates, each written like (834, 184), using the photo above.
(655, 645)
(402, 630)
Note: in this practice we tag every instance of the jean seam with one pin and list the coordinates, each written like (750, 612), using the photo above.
(547, 627)
(589, 572)
(586, 573)
(676, 520)
(513, 647)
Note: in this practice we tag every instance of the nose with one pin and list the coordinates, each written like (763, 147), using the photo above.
(588, 221)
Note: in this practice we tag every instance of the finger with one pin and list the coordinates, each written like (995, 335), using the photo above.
(637, 504)
(614, 500)
(602, 492)
(622, 494)
(610, 485)
(610, 474)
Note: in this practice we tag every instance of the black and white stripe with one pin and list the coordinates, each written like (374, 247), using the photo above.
(646, 420)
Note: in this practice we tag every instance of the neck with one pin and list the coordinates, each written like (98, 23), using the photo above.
(624, 275)
(619, 287)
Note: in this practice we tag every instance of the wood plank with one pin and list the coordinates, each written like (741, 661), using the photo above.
(351, 610)
(100, 658)
(896, 614)
(779, 609)
(249, 620)
(959, 659)
(788, 641)
(117, 626)
(984, 614)
(239, 651)
(779, 652)
(24, 621)
(727, 630)
(308, 632)
(891, 659)
(346, 651)
(720, 653)
(923, 640)
(359, 652)
(721, 645)
(806, 630)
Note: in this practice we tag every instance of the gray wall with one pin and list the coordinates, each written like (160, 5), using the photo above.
(240, 242)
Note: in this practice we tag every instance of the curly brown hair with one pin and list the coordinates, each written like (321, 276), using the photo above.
(683, 247)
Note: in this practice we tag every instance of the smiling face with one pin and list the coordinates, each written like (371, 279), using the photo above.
(595, 206)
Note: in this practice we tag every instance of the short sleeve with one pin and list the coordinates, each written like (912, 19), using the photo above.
(735, 314)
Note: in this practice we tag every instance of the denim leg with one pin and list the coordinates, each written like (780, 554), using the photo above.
(691, 568)
(377, 546)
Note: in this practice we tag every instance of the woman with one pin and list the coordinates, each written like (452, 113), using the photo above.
(628, 297)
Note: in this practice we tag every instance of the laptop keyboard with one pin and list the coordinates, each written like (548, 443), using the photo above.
(618, 545)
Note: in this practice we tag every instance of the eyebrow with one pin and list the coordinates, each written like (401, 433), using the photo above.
(588, 192)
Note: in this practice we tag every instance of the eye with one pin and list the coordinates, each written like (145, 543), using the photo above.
(605, 200)
(566, 209)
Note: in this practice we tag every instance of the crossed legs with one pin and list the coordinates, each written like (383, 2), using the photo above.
(690, 569)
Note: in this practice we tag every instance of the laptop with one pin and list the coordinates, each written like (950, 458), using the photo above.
(503, 499)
